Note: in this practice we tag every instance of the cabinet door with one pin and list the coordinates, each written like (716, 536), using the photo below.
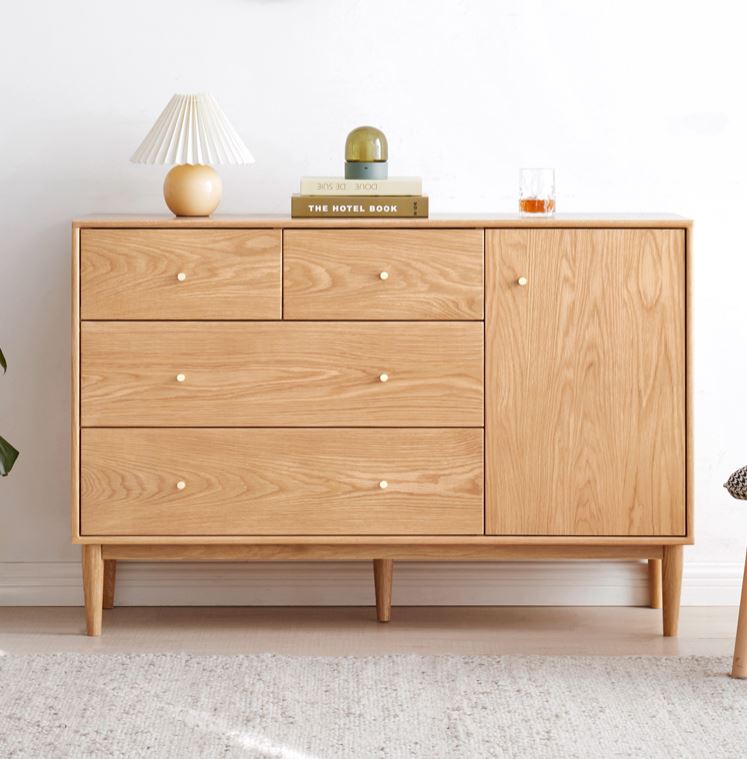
(585, 390)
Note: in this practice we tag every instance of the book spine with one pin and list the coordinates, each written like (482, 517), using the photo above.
(351, 207)
(336, 186)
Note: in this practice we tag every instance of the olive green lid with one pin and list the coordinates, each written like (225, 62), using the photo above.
(366, 143)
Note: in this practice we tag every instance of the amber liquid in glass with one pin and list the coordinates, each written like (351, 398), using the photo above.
(537, 205)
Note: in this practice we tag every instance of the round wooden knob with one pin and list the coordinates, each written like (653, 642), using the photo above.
(181, 485)
(383, 484)
(383, 377)
(180, 377)
(384, 275)
(181, 276)
(522, 281)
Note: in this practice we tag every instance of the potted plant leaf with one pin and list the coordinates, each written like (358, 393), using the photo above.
(8, 454)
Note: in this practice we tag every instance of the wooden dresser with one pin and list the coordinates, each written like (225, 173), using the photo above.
(438, 389)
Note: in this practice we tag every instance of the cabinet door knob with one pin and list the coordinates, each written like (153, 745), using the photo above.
(181, 276)
(181, 485)
(180, 377)
(383, 484)
(522, 281)
(384, 275)
(383, 377)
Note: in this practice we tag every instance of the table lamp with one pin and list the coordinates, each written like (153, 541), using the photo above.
(190, 134)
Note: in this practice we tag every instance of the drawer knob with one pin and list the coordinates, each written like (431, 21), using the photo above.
(384, 275)
(181, 276)
(522, 281)
(383, 377)
(383, 484)
(181, 485)
(180, 377)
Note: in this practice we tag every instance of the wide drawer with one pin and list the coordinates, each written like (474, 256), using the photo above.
(272, 374)
(281, 482)
(180, 274)
(383, 274)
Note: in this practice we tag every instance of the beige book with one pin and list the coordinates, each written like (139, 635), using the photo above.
(341, 186)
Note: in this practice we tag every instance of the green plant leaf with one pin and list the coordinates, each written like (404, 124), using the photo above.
(2, 360)
(8, 456)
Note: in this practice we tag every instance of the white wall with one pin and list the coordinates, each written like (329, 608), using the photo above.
(639, 105)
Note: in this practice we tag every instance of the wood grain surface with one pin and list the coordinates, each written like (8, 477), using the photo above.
(282, 374)
(654, 583)
(671, 584)
(268, 481)
(75, 386)
(411, 548)
(434, 221)
(383, 573)
(228, 274)
(110, 583)
(93, 587)
(585, 382)
(428, 274)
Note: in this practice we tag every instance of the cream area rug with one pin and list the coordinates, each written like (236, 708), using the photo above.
(181, 706)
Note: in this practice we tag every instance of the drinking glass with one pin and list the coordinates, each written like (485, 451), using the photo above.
(537, 192)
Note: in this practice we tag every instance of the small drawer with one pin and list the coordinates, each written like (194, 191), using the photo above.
(383, 274)
(281, 482)
(180, 274)
(275, 374)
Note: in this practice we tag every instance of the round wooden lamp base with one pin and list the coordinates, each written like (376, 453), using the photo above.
(192, 190)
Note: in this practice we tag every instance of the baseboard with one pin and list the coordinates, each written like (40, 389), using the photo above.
(570, 583)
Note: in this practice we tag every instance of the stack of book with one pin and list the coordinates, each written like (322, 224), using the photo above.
(324, 197)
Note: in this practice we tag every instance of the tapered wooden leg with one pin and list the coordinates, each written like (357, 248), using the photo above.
(383, 569)
(654, 583)
(671, 581)
(110, 579)
(739, 666)
(93, 587)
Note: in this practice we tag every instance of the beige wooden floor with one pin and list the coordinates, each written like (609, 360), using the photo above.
(340, 631)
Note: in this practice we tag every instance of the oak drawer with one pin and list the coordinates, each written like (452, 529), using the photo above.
(284, 482)
(383, 274)
(180, 274)
(236, 374)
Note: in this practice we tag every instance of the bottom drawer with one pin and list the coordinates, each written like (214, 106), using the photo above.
(281, 482)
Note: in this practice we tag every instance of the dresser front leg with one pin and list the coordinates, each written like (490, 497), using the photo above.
(671, 571)
(383, 569)
(110, 579)
(93, 587)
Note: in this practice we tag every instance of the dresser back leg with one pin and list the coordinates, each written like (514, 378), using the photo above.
(671, 571)
(654, 583)
(93, 587)
(383, 569)
(110, 578)
(739, 667)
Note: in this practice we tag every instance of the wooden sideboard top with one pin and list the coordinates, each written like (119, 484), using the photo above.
(466, 221)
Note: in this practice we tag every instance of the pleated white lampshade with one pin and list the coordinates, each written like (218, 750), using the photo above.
(192, 129)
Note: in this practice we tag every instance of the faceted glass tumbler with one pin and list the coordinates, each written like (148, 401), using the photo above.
(537, 192)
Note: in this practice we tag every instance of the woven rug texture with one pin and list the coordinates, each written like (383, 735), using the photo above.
(184, 706)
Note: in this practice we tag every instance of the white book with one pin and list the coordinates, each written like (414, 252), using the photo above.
(342, 186)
